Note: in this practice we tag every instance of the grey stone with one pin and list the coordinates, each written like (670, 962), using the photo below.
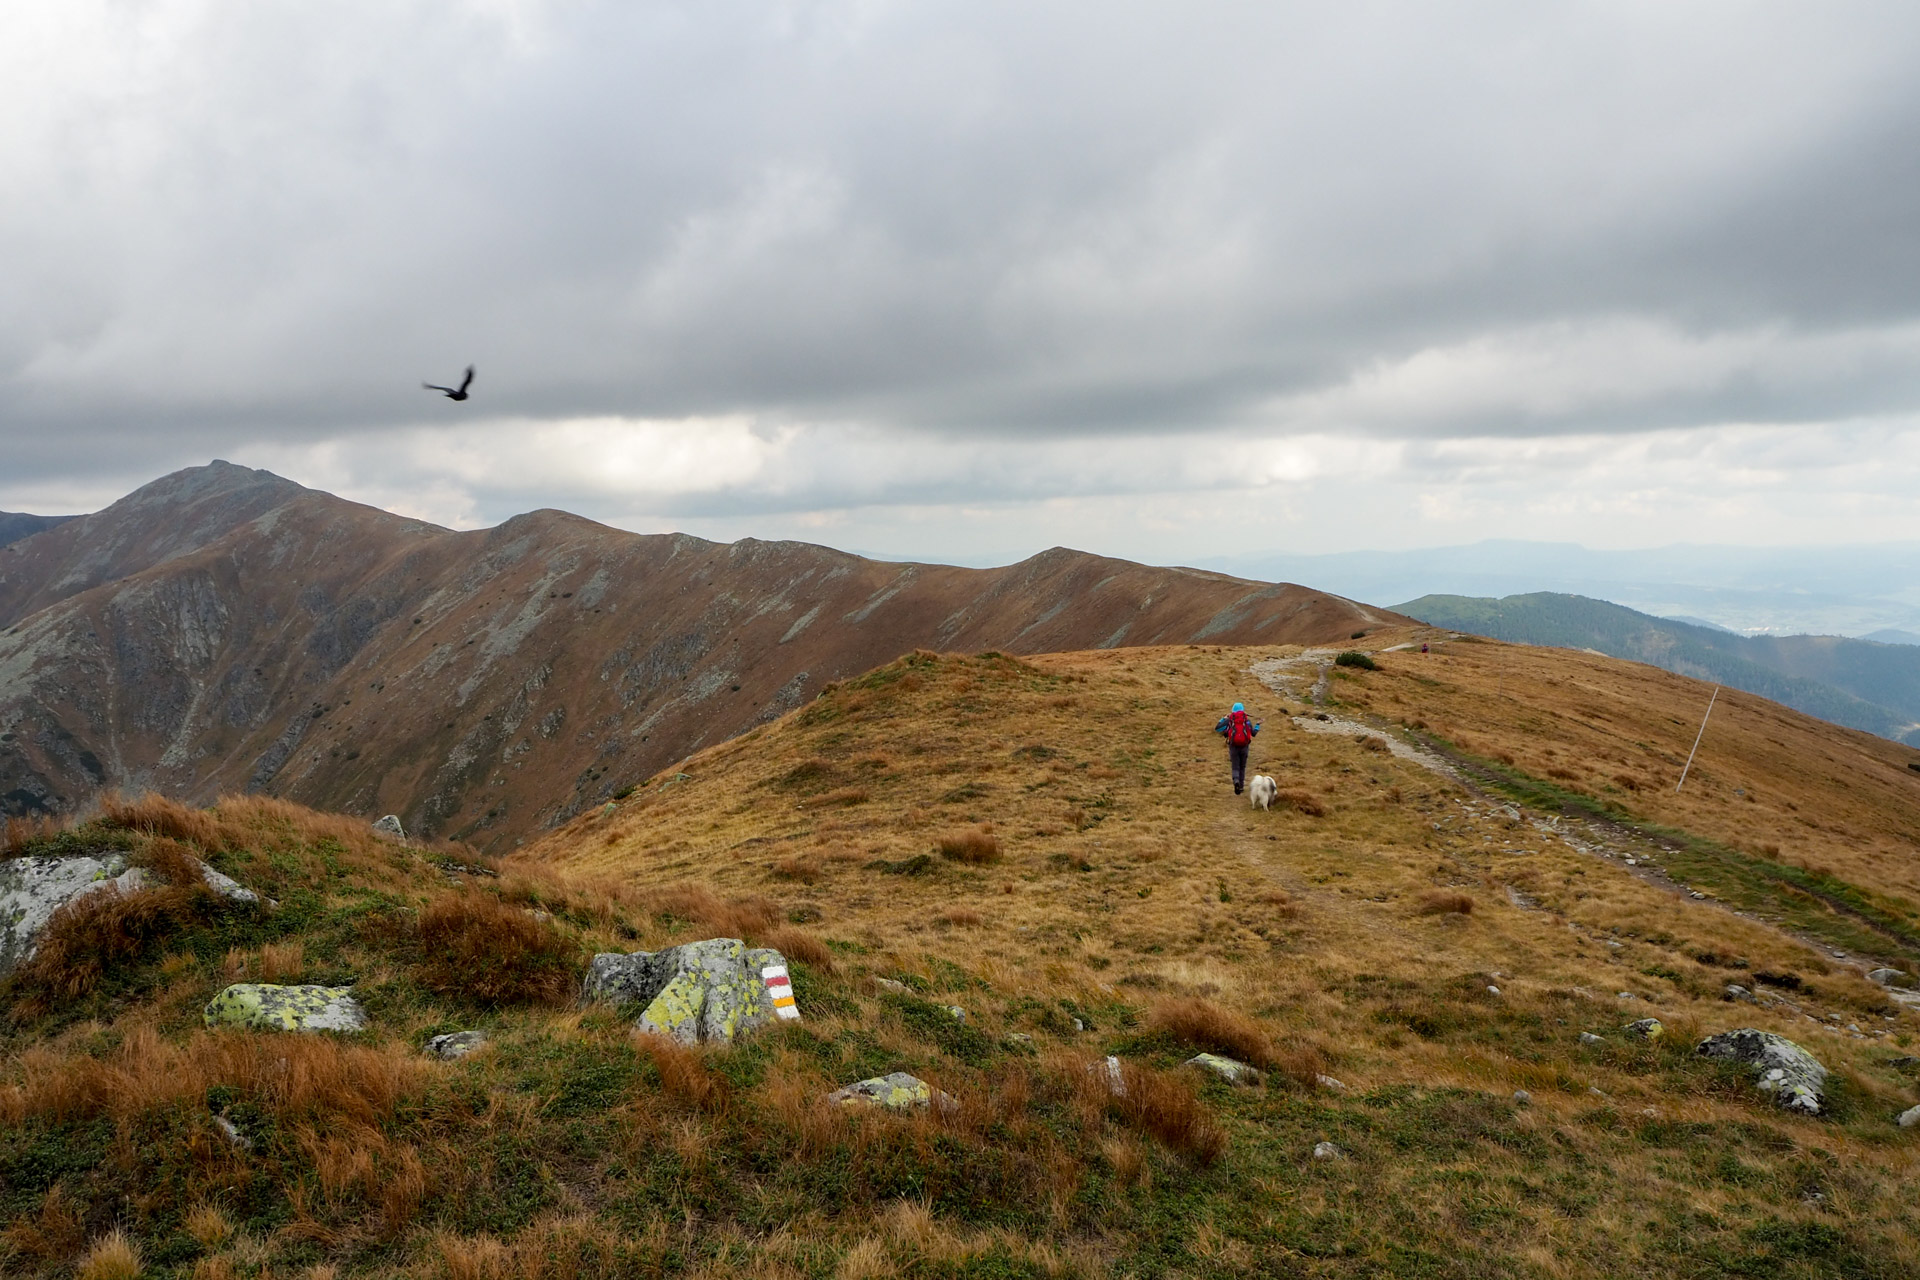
(1232, 1070)
(1587, 1037)
(455, 1044)
(1108, 1069)
(1327, 1151)
(1522, 1097)
(1329, 1083)
(33, 889)
(1789, 1074)
(888, 984)
(955, 1012)
(390, 826)
(1019, 1040)
(231, 1132)
(1493, 991)
(228, 888)
(1737, 992)
(897, 1091)
(709, 992)
(1889, 977)
(1646, 1029)
(265, 1006)
(1908, 1118)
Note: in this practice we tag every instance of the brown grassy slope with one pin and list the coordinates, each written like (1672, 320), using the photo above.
(1768, 781)
(1129, 871)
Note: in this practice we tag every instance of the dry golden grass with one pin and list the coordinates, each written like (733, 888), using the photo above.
(91, 934)
(1301, 802)
(19, 832)
(112, 1257)
(976, 847)
(1436, 902)
(156, 815)
(798, 944)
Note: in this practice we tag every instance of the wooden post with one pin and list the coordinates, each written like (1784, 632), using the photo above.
(1696, 740)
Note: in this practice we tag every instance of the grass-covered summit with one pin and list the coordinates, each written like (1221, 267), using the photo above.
(1050, 847)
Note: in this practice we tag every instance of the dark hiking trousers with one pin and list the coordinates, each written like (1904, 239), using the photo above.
(1238, 756)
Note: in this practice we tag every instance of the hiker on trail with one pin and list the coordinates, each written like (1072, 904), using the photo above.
(1238, 729)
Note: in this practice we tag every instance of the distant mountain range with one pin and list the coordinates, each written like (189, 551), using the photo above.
(224, 629)
(1865, 590)
(1858, 683)
(15, 525)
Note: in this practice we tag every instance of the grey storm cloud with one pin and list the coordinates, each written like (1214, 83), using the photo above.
(958, 220)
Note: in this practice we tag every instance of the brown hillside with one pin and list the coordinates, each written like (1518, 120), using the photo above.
(226, 630)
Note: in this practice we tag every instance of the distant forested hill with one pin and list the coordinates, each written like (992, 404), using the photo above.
(1857, 683)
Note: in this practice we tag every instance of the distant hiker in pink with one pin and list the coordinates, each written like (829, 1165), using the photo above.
(1238, 729)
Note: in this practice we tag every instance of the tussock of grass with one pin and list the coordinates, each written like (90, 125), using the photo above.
(476, 947)
(1201, 1024)
(1302, 802)
(976, 847)
(1436, 902)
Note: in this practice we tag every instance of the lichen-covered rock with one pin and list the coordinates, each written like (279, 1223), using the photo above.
(1792, 1076)
(1646, 1029)
(896, 1092)
(1232, 1070)
(1019, 1041)
(265, 1006)
(390, 826)
(32, 889)
(1890, 977)
(227, 887)
(955, 1012)
(707, 992)
(455, 1044)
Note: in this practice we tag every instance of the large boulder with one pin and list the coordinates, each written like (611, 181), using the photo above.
(263, 1006)
(33, 889)
(709, 992)
(1792, 1076)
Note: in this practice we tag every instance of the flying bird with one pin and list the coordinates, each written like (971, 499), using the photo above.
(452, 393)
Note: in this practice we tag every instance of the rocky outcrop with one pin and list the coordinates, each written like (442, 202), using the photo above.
(709, 992)
(390, 826)
(261, 1006)
(895, 1092)
(1783, 1070)
(33, 889)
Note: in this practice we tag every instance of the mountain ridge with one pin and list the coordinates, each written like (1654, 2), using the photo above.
(225, 629)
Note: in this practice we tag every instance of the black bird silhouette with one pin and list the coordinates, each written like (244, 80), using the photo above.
(454, 393)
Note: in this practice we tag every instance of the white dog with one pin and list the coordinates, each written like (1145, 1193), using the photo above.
(1261, 791)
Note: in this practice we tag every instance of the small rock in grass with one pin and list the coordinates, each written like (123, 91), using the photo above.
(1522, 1097)
(1792, 1076)
(1328, 1082)
(1888, 977)
(390, 826)
(231, 1132)
(1019, 1040)
(455, 1044)
(1493, 991)
(1327, 1151)
(955, 1012)
(1909, 1118)
(889, 984)
(1646, 1029)
(1595, 1092)
(1737, 992)
(1231, 1070)
(1079, 1025)
(895, 1092)
(1109, 1067)
(1587, 1037)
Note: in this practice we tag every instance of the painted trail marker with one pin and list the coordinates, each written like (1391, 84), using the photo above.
(780, 987)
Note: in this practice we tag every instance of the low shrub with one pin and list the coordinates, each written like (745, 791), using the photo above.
(1202, 1024)
(478, 948)
(1355, 658)
(1438, 902)
(976, 847)
(1303, 802)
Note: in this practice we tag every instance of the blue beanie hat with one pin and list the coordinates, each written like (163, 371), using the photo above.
(1239, 706)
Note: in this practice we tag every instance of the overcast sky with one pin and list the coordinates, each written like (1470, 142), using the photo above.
(966, 280)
